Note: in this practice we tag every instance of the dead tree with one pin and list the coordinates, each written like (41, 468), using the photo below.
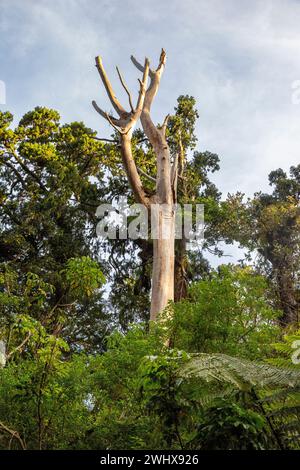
(163, 217)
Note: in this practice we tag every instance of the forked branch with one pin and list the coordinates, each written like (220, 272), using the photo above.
(126, 89)
(124, 125)
(113, 99)
(127, 120)
(150, 129)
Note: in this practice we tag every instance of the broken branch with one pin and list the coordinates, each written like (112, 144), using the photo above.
(113, 99)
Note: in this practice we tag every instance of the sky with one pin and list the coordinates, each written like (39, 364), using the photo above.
(239, 59)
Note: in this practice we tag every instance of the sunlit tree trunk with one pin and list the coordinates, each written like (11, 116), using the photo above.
(163, 260)
(163, 222)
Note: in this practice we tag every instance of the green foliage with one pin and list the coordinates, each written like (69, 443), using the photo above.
(182, 124)
(227, 312)
(50, 186)
(210, 377)
(40, 392)
(288, 351)
(163, 395)
(283, 405)
(139, 394)
(83, 275)
(240, 373)
(269, 224)
(229, 425)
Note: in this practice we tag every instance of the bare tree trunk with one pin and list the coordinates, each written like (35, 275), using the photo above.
(166, 178)
(163, 260)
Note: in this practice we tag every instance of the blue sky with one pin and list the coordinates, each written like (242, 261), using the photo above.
(237, 58)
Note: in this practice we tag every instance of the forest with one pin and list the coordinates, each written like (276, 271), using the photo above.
(140, 343)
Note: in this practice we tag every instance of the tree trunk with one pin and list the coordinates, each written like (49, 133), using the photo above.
(288, 302)
(180, 279)
(163, 259)
(164, 199)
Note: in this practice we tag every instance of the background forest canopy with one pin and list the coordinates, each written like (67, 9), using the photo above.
(82, 365)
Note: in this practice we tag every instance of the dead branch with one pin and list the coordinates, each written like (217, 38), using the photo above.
(20, 347)
(125, 124)
(150, 129)
(14, 435)
(126, 89)
(113, 99)
(150, 178)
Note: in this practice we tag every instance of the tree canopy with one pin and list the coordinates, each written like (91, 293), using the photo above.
(82, 367)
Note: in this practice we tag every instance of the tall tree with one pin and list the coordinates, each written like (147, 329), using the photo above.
(164, 197)
(47, 217)
(269, 224)
(130, 261)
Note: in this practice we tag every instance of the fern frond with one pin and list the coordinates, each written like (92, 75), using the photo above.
(286, 411)
(207, 398)
(293, 427)
(241, 373)
(282, 395)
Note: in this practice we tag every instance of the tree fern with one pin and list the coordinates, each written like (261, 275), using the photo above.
(281, 407)
(284, 405)
(241, 373)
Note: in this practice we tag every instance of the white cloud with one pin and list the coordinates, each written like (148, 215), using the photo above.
(237, 58)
